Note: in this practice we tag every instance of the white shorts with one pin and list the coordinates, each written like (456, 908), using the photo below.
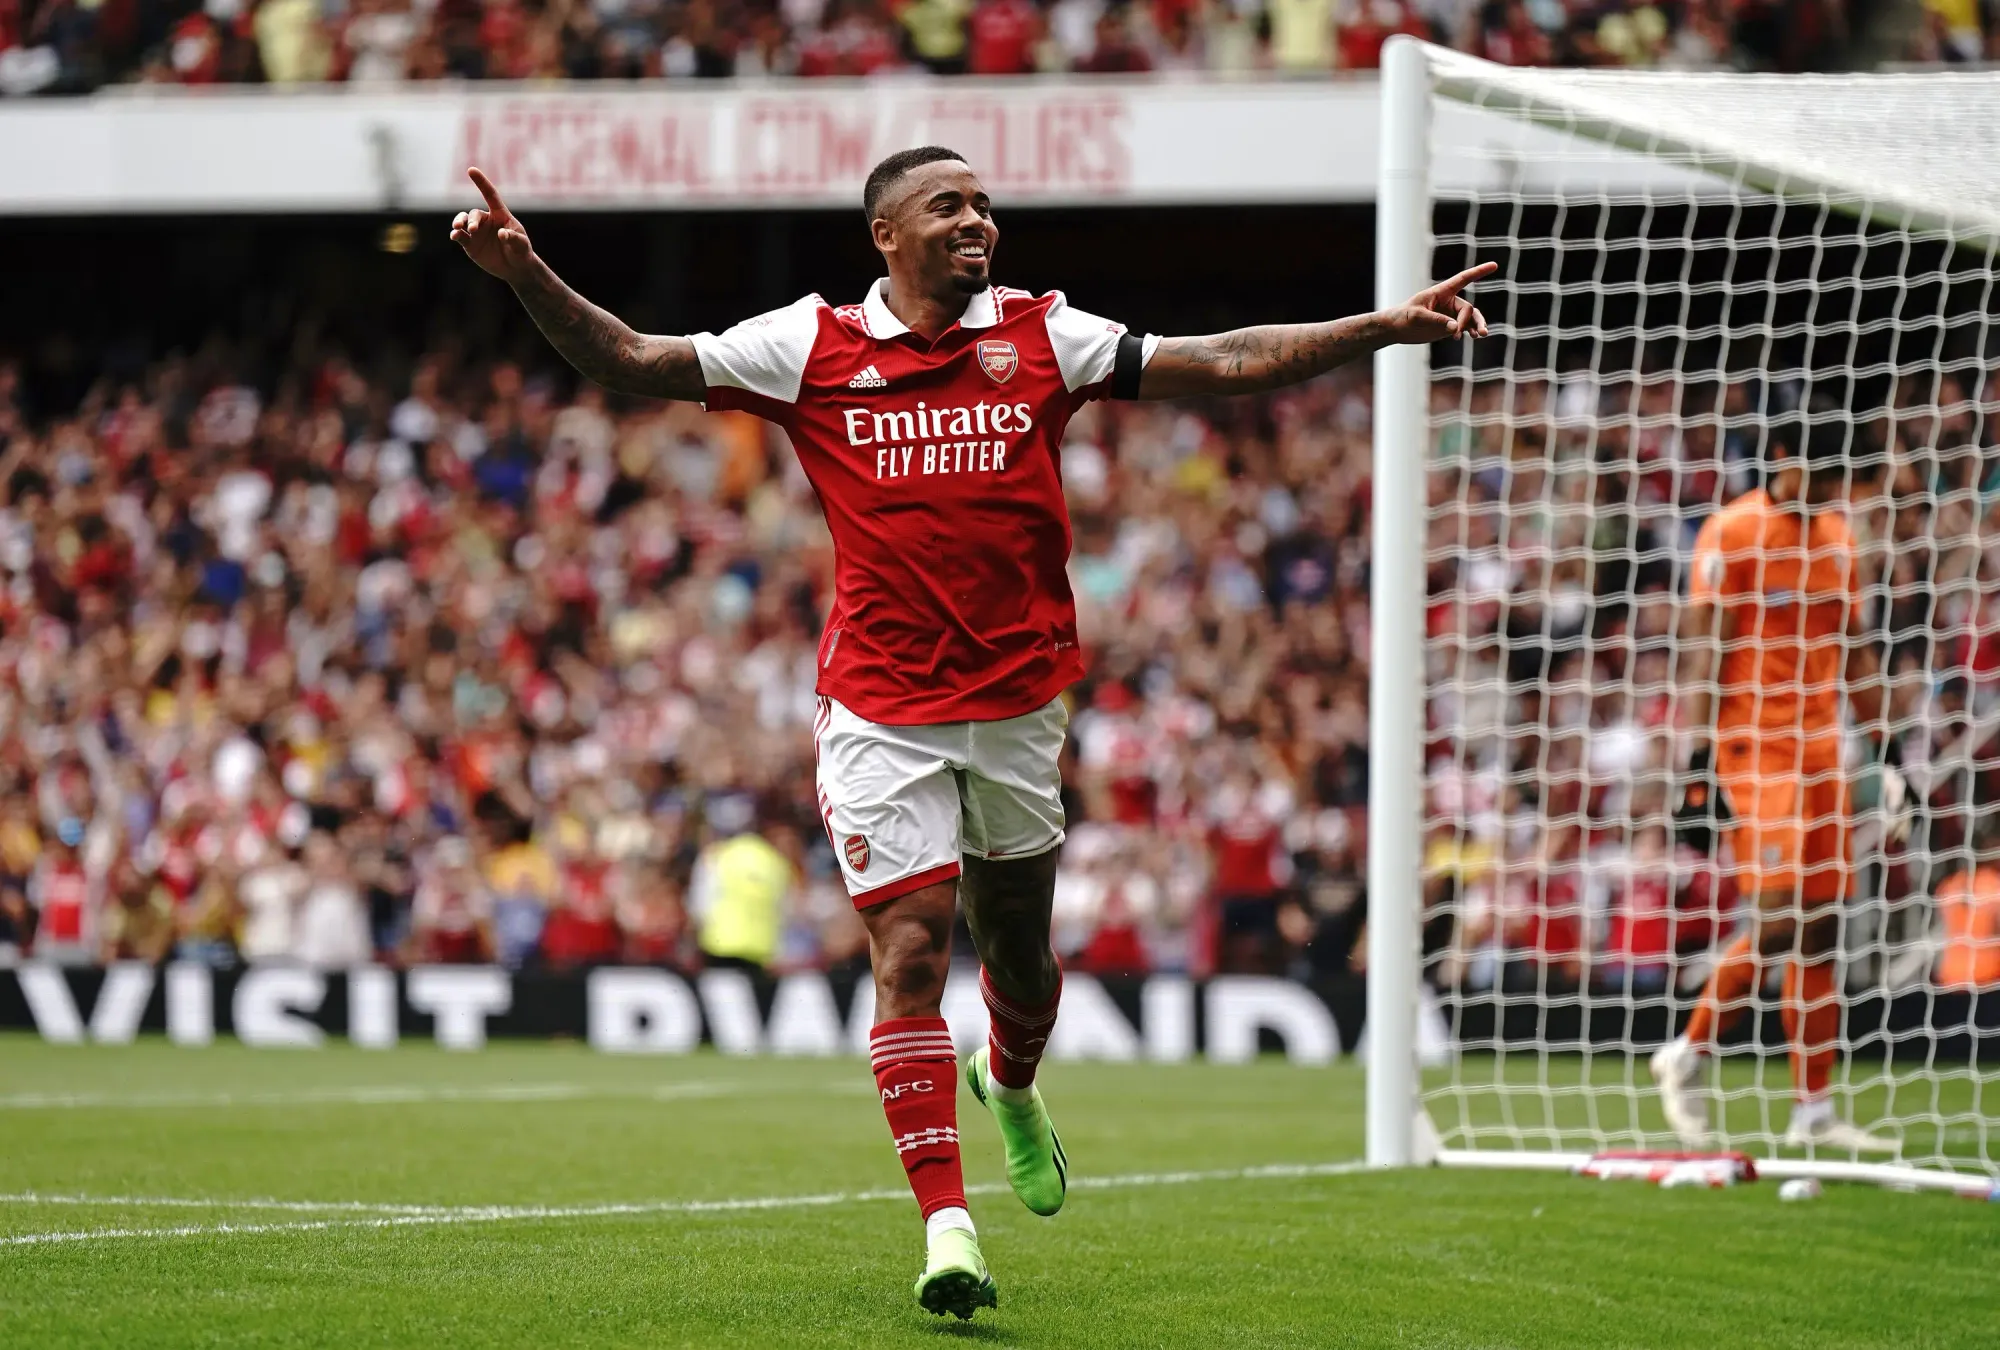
(902, 804)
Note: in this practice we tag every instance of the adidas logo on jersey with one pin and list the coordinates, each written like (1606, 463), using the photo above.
(869, 378)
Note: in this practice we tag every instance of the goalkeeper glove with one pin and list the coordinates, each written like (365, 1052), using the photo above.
(1701, 808)
(1881, 786)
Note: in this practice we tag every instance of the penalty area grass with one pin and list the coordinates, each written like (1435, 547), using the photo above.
(545, 1195)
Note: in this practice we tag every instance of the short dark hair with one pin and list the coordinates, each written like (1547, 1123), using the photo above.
(894, 167)
(1823, 439)
(1798, 437)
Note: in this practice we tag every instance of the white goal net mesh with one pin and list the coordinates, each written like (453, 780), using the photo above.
(1684, 261)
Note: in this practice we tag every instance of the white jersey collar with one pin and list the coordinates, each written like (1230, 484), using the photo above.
(981, 311)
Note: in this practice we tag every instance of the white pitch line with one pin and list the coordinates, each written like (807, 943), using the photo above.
(180, 1202)
(491, 1214)
(200, 1230)
(418, 1216)
(375, 1208)
(397, 1095)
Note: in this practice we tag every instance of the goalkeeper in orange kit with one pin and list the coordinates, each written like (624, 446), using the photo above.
(1770, 640)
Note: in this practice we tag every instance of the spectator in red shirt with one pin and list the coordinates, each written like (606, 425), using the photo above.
(1001, 37)
(1639, 945)
(652, 919)
(1116, 948)
(1369, 24)
(60, 889)
(503, 34)
(1541, 922)
(451, 921)
(194, 50)
(855, 41)
(1514, 40)
(1115, 753)
(1251, 870)
(1116, 53)
(1704, 901)
(581, 930)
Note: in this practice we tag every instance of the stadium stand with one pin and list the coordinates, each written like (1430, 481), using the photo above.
(485, 635)
(430, 656)
(71, 46)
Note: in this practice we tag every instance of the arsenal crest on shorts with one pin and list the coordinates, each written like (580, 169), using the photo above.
(999, 359)
(856, 849)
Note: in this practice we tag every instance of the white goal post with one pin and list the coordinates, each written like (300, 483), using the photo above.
(1686, 259)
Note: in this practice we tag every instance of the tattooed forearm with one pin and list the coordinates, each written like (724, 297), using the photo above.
(1250, 360)
(603, 347)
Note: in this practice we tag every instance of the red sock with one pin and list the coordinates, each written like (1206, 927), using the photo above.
(917, 1070)
(1812, 1024)
(1725, 995)
(1019, 1033)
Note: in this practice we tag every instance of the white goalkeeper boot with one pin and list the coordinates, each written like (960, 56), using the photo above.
(1815, 1126)
(1676, 1068)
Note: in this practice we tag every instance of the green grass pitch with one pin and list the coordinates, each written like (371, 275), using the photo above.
(543, 1195)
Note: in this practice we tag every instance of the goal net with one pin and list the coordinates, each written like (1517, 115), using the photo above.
(1686, 261)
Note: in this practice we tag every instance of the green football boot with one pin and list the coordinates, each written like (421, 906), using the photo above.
(1036, 1167)
(955, 1279)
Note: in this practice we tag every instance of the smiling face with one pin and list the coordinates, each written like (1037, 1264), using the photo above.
(935, 229)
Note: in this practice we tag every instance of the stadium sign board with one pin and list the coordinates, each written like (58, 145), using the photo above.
(646, 1010)
(794, 144)
(635, 1009)
(649, 1010)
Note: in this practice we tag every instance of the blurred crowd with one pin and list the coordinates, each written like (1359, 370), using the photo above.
(1961, 32)
(1563, 516)
(460, 661)
(466, 664)
(72, 46)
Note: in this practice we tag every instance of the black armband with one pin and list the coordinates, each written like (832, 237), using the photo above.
(1125, 368)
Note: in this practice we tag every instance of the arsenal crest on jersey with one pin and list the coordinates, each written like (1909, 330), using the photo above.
(999, 359)
(856, 848)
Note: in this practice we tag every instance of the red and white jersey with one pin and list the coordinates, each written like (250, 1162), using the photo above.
(938, 467)
(60, 889)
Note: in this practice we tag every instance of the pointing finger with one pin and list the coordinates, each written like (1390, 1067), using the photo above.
(487, 190)
(1467, 277)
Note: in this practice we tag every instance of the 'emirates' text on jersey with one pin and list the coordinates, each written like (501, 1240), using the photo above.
(938, 467)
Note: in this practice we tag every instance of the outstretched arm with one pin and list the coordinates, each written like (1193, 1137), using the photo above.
(1704, 628)
(1251, 360)
(597, 343)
